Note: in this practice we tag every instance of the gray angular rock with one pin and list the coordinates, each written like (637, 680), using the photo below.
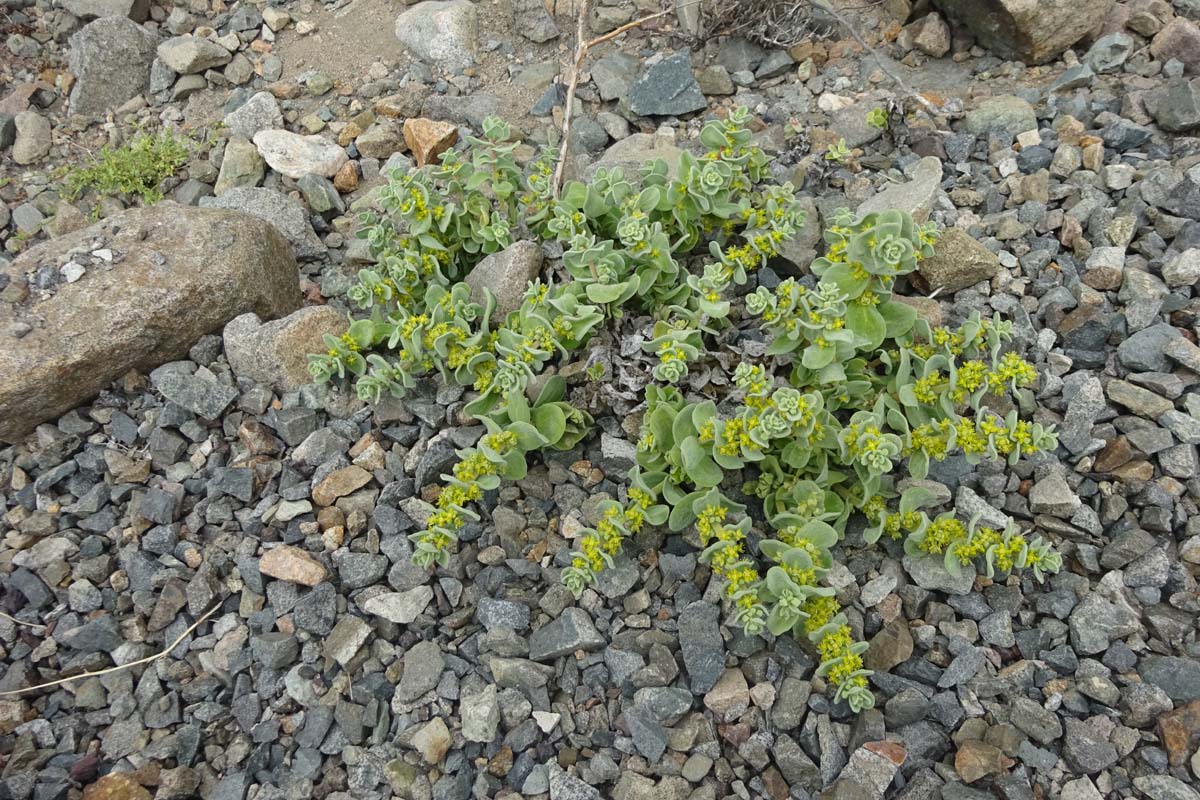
(1005, 113)
(649, 736)
(631, 153)
(110, 59)
(1036, 721)
(701, 644)
(191, 55)
(930, 573)
(30, 145)
(285, 213)
(1085, 750)
(915, 196)
(1109, 52)
(480, 715)
(136, 10)
(572, 630)
(276, 352)
(1165, 787)
(534, 22)
(566, 787)
(259, 113)
(1178, 676)
(493, 613)
(185, 272)
(203, 397)
(343, 642)
(614, 74)
(1054, 496)
(320, 194)
(1145, 351)
(667, 88)
(958, 261)
(1096, 622)
(1183, 269)
(506, 275)
(399, 607)
(241, 165)
(275, 650)
(423, 665)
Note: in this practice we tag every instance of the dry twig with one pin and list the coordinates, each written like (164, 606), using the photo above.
(582, 46)
(119, 667)
(16, 621)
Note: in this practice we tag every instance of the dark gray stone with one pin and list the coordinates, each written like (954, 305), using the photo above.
(702, 646)
(572, 630)
(667, 88)
(1178, 676)
(204, 398)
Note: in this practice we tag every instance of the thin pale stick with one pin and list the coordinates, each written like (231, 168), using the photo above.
(581, 50)
(119, 667)
(22, 622)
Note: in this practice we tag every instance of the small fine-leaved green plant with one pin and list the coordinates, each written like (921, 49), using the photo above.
(853, 392)
(134, 170)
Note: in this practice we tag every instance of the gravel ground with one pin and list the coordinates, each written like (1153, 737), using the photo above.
(328, 666)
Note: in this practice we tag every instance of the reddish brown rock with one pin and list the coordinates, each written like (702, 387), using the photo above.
(346, 179)
(340, 483)
(115, 786)
(893, 645)
(1179, 39)
(892, 751)
(428, 139)
(975, 760)
(1179, 732)
(1115, 454)
(291, 564)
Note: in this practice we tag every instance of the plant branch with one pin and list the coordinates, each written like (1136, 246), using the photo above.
(119, 667)
(16, 621)
(582, 46)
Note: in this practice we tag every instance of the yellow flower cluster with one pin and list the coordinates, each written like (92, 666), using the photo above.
(970, 376)
(927, 389)
(740, 575)
(1012, 368)
(734, 437)
(948, 533)
(971, 436)
(608, 534)
(453, 497)
(837, 644)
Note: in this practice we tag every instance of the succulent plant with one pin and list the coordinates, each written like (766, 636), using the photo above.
(852, 390)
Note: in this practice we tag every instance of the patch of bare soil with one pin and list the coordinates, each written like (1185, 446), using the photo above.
(346, 42)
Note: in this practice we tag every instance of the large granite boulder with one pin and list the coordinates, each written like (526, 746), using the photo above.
(131, 292)
(1032, 31)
